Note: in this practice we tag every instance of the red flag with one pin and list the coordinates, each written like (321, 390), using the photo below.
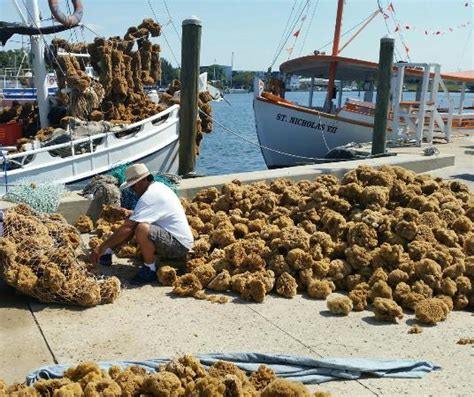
(407, 50)
(297, 33)
(397, 29)
(390, 8)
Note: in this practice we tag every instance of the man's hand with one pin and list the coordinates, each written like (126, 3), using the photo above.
(129, 213)
(95, 255)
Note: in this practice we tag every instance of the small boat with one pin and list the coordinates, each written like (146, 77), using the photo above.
(291, 134)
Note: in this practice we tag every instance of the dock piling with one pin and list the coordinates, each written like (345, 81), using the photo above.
(379, 137)
(190, 54)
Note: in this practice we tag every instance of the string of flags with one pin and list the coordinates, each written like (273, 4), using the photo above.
(427, 32)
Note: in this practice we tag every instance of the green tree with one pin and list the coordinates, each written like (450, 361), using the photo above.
(214, 72)
(168, 72)
(12, 59)
(243, 80)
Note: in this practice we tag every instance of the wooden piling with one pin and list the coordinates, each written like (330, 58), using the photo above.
(383, 95)
(190, 54)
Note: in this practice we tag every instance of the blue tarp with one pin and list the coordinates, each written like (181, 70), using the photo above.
(296, 368)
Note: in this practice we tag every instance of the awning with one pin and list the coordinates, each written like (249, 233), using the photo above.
(350, 69)
(8, 29)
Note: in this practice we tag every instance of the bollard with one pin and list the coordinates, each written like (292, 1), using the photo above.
(379, 137)
(188, 113)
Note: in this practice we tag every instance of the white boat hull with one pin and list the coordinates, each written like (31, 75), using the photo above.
(291, 135)
(155, 142)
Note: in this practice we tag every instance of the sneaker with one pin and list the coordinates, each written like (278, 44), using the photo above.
(144, 276)
(105, 260)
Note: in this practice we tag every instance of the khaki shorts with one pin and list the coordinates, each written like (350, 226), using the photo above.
(167, 246)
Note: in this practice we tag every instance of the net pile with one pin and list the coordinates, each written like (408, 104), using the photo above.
(40, 195)
(385, 237)
(39, 256)
(182, 376)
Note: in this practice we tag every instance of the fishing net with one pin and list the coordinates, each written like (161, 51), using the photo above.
(40, 195)
(129, 198)
(40, 256)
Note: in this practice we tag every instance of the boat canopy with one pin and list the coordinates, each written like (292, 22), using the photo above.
(351, 69)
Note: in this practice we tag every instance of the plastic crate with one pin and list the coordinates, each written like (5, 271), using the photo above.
(10, 133)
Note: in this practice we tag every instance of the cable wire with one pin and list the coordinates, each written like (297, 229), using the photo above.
(296, 19)
(309, 27)
(164, 34)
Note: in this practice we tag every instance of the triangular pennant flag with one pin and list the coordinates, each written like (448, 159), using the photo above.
(438, 33)
(390, 8)
(407, 27)
(407, 50)
(397, 29)
(297, 33)
(426, 32)
(386, 16)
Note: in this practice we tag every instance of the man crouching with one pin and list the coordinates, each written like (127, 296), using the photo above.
(158, 222)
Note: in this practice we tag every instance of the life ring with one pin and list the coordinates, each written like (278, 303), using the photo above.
(51, 80)
(69, 20)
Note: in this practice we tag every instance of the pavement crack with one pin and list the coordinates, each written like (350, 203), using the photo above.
(304, 344)
(42, 334)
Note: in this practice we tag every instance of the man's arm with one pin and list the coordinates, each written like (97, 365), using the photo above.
(121, 235)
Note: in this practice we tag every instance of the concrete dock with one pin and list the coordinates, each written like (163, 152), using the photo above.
(148, 322)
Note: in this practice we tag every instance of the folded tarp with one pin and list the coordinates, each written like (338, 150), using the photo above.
(296, 368)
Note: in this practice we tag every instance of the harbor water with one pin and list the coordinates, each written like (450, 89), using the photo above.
(232, 147)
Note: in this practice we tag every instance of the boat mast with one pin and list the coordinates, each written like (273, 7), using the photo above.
(335, 51)
(37, 48)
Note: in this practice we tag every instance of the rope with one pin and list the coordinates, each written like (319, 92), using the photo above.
(402, 39)
(164, 34)
(302, 20)
(91, 30)
(280, 42)
(43, 38)
(297, 18)
(346, 32)
(171, 20)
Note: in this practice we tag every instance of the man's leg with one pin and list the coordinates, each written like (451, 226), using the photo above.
(147, 247)
(147, 272)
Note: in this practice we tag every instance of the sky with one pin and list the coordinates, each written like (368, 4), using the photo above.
(253, 29)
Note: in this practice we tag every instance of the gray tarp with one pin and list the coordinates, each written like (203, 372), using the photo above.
(296, 368)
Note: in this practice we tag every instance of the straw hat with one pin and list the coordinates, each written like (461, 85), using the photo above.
(134, 174)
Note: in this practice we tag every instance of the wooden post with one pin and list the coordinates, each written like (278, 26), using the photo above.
(190, 54)
(383, 95)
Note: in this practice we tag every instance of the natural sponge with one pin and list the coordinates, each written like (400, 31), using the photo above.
(431, 311)
(340, 305)
(387, 310)
(166, 275)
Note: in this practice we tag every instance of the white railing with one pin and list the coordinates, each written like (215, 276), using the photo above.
(90, 138)
(410, 121)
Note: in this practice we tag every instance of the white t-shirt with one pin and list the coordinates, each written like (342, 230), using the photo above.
(159, 204)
